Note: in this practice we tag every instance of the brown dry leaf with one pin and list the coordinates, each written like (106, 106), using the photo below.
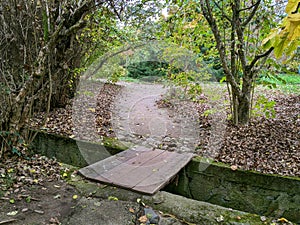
(143, 219)
(233, 167)
(131, 210)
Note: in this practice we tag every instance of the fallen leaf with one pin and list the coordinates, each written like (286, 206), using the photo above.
(131, 210)
(57, 196)
(233, 167)
(92, 109)
(143, 219)
(54, 220)
(10, 170)
(263, 218)
(97, 204)
(283, 220)
(112, 198)
(65, 174)
(220, 218)
(75, 197)
(12, 213)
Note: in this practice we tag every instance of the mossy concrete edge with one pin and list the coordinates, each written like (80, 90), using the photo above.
(249, 191)
(189, 210)
(75, 152)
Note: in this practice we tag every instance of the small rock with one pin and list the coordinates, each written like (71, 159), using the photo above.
(24, 210)
(172, 145)
(154, 218)
(263, 218)
(39, 211)
(150, 140)
(167, 139)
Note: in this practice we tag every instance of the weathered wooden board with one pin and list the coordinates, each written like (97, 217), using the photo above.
(140, 169)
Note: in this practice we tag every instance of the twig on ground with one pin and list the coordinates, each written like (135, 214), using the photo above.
(8, 221)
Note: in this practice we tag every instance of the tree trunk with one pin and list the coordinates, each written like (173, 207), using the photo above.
(244, 109)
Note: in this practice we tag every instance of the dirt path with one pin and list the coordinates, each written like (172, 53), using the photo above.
(137, 118)
(267, 145)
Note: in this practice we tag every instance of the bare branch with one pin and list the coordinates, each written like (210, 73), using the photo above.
(256, 5)
(258, 57)
(247, 8)
(112, 4)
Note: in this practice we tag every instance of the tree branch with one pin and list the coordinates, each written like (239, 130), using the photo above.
(106, 57)
(223, 13)
(75, 28)
(250, 7)
(111, 3)
(207, 12)
(258, 57)
(256, 5)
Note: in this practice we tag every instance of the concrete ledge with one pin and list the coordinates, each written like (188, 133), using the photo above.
(75, 152)
(217, 183)
(192, 211)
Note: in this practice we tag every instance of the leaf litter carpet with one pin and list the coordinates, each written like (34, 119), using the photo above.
(267, 145)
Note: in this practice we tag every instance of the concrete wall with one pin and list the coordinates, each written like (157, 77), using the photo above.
(215, 183)
(74, 152)
(268, 195)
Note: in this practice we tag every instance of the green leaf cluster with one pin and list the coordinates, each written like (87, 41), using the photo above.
(264, 107)
(285, 39)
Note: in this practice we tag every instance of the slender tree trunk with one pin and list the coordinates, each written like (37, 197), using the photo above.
(244, 109)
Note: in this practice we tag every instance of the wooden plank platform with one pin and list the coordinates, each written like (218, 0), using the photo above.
(140, 169)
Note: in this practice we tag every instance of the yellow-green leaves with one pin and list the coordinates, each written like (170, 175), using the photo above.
(292, 6)
(286, 38)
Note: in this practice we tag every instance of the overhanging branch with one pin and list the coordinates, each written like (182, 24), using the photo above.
(258, 57)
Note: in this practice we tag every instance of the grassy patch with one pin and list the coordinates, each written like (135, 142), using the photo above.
(287, 83)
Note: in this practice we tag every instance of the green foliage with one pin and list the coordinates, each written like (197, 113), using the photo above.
(186, 27)
(291, 78)
(287, 83)
(271, 80)
(281, 79)
(8, 139)
(264, 107)
(186, 81)
(118, 72)
(101, 35)
(148, 68)
(286, 37)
